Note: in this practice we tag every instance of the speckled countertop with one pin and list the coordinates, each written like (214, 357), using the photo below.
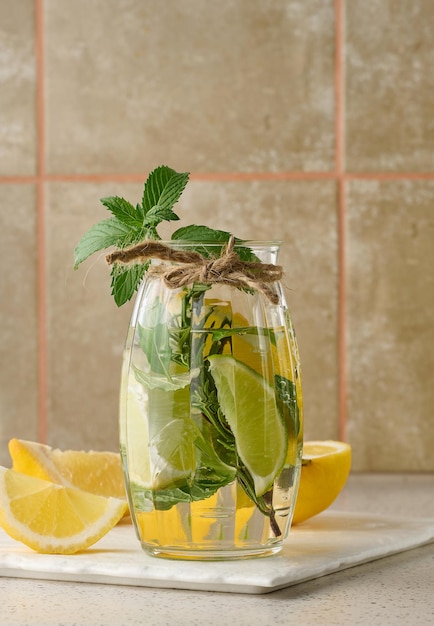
(394, 590)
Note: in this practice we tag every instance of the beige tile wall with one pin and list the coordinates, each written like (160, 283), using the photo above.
(17, 92)
(390, 85)
(18, 315)
(391, 323)
(206, 86)
(261, 101)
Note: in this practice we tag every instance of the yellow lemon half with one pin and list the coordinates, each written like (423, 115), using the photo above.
(52, 518)
(325, 469)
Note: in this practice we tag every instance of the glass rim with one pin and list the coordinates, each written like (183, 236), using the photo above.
(207, 242)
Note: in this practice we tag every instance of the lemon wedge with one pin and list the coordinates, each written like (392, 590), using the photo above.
(325, 469)
(99, 473)
(51, 518)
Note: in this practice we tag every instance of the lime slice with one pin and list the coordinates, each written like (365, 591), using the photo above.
(249, 406)
(160, 436)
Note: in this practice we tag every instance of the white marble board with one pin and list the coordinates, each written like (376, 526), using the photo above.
(327, 543)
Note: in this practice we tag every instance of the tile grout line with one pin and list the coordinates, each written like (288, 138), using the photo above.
(385, 176)
(341, 220)
(338, 86)
(40, 224)
(221, 176)
(342, 315)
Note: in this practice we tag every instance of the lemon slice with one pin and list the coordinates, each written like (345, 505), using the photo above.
(99, 473)
(249, 406)
(325, 469)
(52, 518)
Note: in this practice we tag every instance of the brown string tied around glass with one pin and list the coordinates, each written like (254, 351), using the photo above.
(192, 267)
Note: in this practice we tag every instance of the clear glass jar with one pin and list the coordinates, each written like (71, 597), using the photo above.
(211, 418)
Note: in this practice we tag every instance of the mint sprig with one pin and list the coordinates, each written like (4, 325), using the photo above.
(130, 224)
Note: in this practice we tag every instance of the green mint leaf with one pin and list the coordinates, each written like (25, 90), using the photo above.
(164, 499)
(173, 190)
(206, 441)
(163, 188)
(286, 396)
(124, 211)
(159, 213)
(155, 343)
(201, 233)
(160, 381)
(110, 232)
(125, 281)
(210, 235)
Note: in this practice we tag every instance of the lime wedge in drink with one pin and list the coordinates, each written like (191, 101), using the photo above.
(159, 422)
(249, 406)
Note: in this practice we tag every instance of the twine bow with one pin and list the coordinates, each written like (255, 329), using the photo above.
(192, 267)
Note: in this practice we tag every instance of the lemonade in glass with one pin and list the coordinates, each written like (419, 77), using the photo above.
(211, 418)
